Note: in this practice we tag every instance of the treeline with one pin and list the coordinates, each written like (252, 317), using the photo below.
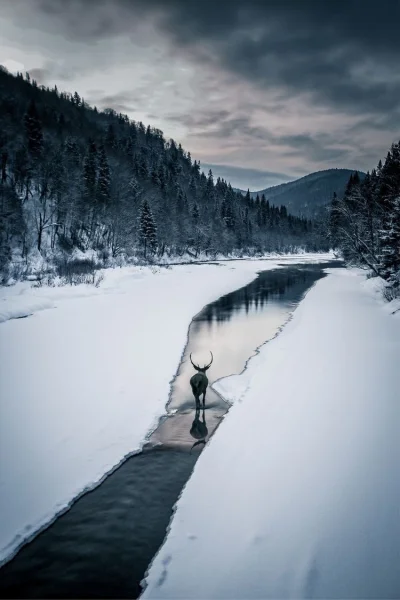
(73, 177)
(365, 223)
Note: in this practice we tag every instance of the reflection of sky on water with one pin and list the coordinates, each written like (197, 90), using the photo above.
(286, 285)
(236, 324)
(233, 340)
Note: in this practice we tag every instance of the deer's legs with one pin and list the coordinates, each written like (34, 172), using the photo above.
(204, 398)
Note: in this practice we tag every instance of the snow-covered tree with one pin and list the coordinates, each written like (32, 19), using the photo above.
(148, 229)
(390, 245)
(104, 178)
(33, 130)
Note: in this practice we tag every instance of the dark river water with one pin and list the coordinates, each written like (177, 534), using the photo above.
(102, 546)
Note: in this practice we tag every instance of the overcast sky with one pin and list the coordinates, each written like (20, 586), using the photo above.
(270, 90)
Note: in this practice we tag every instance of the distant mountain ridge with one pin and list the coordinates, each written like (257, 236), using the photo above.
(309, 194)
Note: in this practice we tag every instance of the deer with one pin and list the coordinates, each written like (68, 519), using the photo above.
(199, 381)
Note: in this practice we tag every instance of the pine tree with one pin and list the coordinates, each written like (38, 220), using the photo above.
(209, 195)
(90, 173)
(180, 200)
(21, 170)
(134, 189)
(259, 215)
(227, 208)
(148, 229)
(111, 138)
(76, 99)
(142, 169)
(195, 213)
(196, 168)
(264, 208)
(193, 187)
(390, 246)
(61, 124)
(223, 209)
(155, 178)
(33, 130)
(72, 152)
(334, 220)
(104, 178)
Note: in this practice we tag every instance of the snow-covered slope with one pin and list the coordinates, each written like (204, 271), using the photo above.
(298, 494)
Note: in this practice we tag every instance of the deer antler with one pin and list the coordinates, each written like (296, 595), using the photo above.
(195, 366)
(212, 358)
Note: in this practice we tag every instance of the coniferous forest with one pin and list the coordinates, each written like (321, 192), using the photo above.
(76, 181)
(365, 223)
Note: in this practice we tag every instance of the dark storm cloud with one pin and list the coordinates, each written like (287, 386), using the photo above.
(295, 85)
(41, 75)
(119, 101)
(46, 75)
(342, 53)
(314, 148)
(382, 122)
(222, 126)
(201, 120)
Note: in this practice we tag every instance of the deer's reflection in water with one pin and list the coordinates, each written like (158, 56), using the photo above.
(199, 429)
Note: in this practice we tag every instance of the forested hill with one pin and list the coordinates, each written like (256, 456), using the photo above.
(73, 177)
(307, 195)
(365, 222)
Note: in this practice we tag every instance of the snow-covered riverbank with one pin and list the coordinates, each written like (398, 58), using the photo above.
(298, 494)
(87, 374)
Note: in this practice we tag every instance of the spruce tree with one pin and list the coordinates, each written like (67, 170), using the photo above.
(195, 213)
(229, 212)
(33, 130)
(134, 189)
(76, 99)
(334, 220)
(142, 169)
(179, 199)
(264, 210)
(390, 246)
(209, 195)
(155, 178)
(111, 138)
(104, 179)
(148, 230)
(90, 173)
(193, 187)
